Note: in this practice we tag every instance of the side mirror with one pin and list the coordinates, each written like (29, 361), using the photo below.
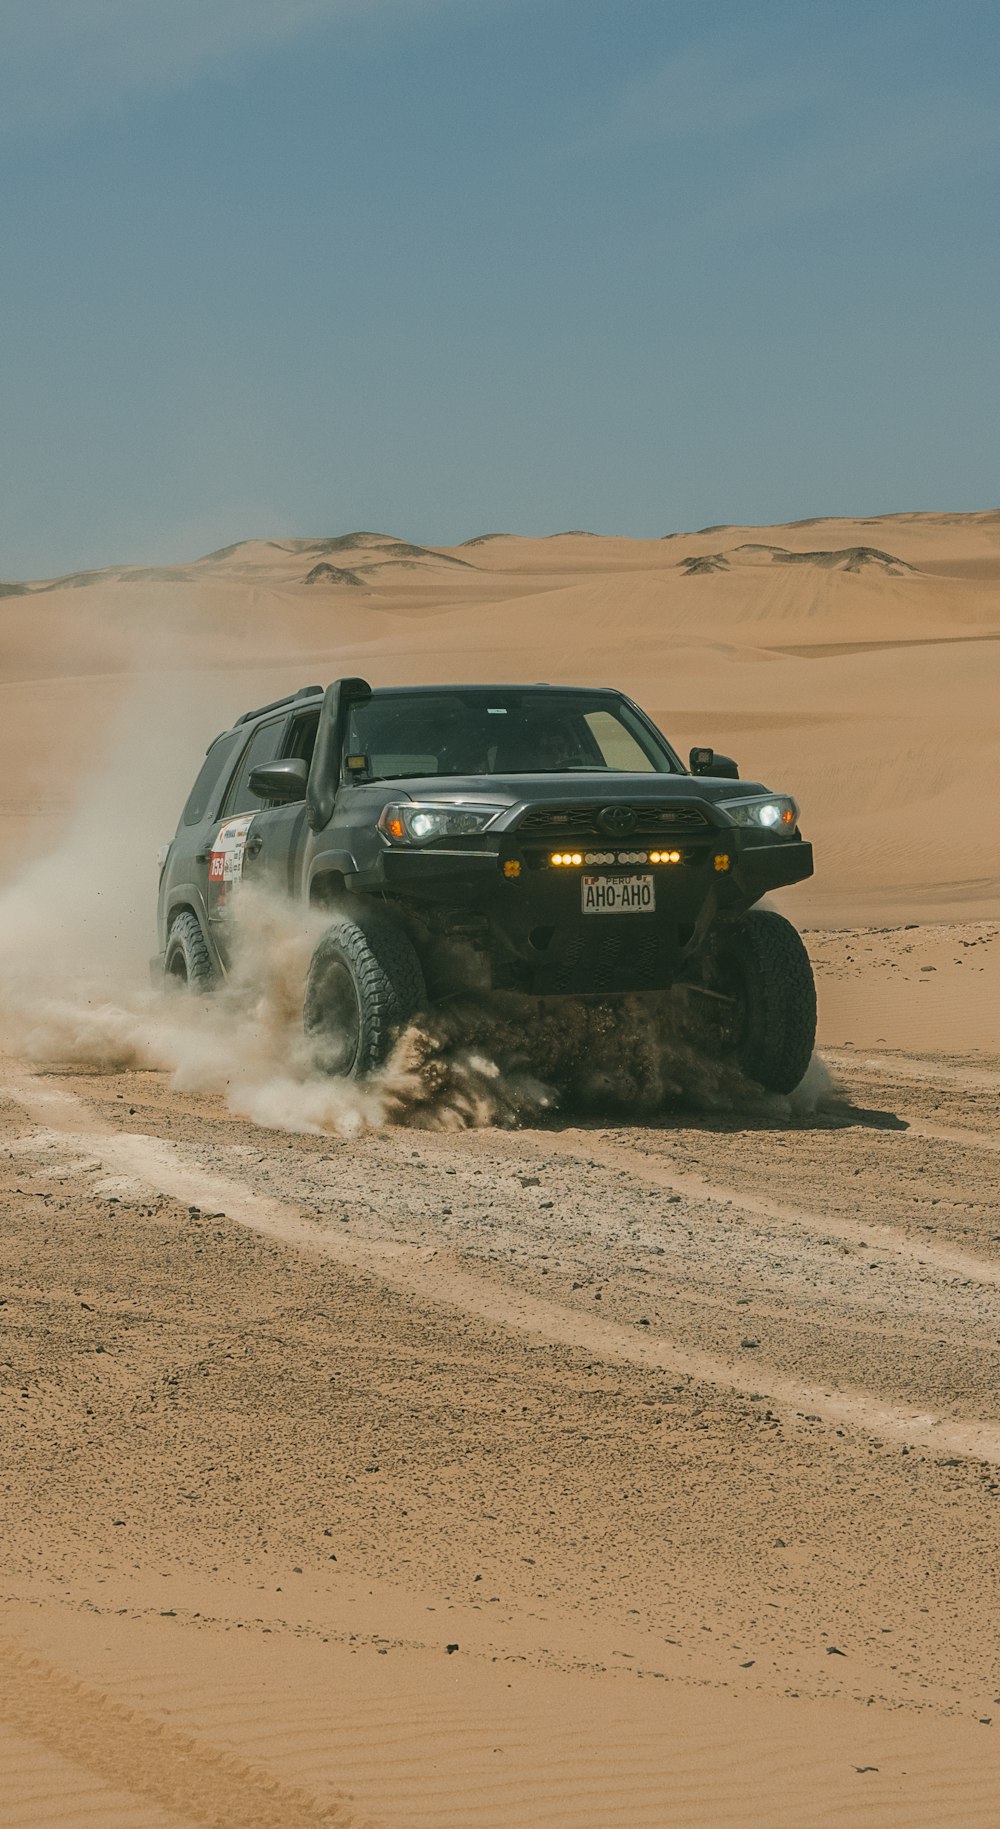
(283, 781)
(708, 762)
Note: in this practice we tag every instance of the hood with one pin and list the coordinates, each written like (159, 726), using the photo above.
(579, 787)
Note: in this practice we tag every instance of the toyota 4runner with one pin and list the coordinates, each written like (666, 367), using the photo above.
(480, 839)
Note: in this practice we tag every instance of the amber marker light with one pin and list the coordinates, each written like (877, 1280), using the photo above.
(722, 860)
(511, 868)
(395, 828)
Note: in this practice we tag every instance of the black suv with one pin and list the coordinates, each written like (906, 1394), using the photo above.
(467, 839)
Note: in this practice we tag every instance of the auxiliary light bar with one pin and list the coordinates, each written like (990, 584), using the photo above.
(574, 858)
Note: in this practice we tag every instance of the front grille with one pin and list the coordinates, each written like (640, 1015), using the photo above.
(582, 822)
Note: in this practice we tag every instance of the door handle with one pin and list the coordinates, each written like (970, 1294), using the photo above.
(254, 845)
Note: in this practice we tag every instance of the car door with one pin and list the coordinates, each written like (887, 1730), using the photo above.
(273, 849)
(184, 869)
(227, 847)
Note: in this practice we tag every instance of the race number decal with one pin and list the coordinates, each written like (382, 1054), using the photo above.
(225, 862)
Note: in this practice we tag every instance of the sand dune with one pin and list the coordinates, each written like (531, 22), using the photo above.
(853, 662)
(594, 1472)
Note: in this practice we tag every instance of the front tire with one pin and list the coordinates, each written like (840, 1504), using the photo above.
(187, 962)
(365, 984)
(762, 965)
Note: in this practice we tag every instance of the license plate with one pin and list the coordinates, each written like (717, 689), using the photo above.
(618, 894)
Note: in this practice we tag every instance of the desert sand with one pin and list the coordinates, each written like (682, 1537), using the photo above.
(447, 1457)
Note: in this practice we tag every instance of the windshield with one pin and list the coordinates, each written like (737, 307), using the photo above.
(497, 732)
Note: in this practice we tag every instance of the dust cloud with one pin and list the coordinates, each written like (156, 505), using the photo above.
(77, 934)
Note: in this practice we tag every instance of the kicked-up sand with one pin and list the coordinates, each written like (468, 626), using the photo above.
(579, 1472)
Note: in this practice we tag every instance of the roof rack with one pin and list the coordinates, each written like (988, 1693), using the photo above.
(304, 692)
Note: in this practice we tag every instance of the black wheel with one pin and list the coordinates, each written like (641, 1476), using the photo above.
(365, 984)
(187, 962)
(761, 964)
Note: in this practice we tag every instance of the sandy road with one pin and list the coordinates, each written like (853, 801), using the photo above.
(686, 1435)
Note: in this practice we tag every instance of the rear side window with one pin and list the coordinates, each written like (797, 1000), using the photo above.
(210, 777)
(264, 746)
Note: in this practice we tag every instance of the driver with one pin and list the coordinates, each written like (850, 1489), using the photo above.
(530, 747)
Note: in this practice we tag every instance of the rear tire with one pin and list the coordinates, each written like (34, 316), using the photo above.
(365, 984)
(187, 962)
(762, 964)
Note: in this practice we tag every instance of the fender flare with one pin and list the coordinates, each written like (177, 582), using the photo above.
(330, 863)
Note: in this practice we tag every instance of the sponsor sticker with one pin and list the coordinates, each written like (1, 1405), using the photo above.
(225, 863)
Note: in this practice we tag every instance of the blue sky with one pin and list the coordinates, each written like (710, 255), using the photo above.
(445, 267)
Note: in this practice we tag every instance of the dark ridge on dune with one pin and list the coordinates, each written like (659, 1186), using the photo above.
(401, 549)
(389, 565)
(77, 581)
(333, 574)
(152, 574)
(226, 552)
(422, 562)
(343, 542)
(222, 552)
(716, 527)
(125, 574)
(378, 543)
(840, 559)
(707, 562)
(15, 590)
(991, 516)
(575, 533)
(480, 539)
(843, 559)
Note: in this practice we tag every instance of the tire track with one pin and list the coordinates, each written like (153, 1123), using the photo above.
(924, 1072)
(136, 1753)
(585, 1145)
(944, 1133)
(438, 1278)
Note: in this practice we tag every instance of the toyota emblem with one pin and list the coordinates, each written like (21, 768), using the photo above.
(617, 821)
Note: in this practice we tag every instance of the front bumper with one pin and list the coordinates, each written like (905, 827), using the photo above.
(532, 928)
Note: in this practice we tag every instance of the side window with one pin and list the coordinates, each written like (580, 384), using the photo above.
(210, 779)
(264, 746)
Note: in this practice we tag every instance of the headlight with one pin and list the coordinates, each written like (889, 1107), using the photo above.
(421, 822)
(772, 812)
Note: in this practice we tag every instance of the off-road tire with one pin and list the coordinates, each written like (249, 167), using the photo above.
(365, 984)
(761, 962)
(187, 962)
